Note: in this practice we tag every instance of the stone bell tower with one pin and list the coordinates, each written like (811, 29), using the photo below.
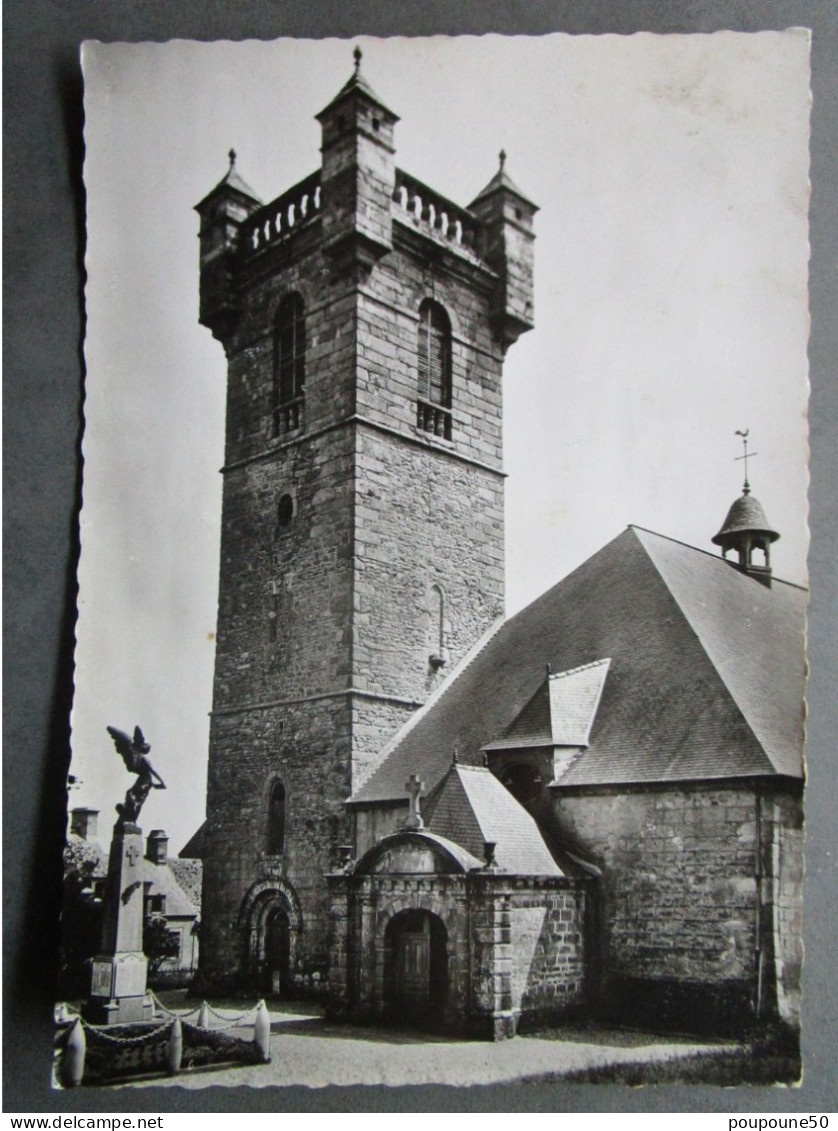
(364, 318)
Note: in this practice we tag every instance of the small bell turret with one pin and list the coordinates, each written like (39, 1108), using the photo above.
(747, 532)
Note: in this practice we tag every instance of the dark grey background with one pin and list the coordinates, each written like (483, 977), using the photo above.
(43, 395)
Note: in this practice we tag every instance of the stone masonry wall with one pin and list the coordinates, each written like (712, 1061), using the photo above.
(285, 593)
(306, 746)
(678, 889)
(548, 953)
(528, 951)
(388, 322)
(423, 520)
(376, 821)
(782, 837)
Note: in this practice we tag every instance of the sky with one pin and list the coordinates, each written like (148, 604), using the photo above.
(671, 265)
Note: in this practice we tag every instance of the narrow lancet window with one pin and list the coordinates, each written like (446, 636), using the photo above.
(276, 820)
(439, 655)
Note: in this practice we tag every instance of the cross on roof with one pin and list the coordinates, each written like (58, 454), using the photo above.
(746, 489)
(415, 787)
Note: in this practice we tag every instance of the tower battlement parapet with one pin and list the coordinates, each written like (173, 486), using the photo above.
(414, 203)
(351, 204)
(431, 212)
(283, 217)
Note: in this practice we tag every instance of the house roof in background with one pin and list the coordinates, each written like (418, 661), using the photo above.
(178, 880)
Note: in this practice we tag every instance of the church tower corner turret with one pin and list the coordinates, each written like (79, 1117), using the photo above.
(358, 174)
(507, 218)
(222, 212)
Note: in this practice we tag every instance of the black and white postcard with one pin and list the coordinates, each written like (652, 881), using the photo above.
(444, 538)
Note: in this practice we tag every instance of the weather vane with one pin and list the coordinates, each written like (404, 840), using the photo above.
(746, 489)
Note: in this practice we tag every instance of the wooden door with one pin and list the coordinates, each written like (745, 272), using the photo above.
(413, 968)
(277, 953)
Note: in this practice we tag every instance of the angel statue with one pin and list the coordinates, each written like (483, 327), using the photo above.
(133, 751)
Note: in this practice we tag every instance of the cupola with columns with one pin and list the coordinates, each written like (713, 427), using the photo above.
(746, 530)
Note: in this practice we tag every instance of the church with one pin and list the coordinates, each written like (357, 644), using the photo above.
(416, 808)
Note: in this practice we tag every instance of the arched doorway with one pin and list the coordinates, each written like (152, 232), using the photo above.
(415, 968)
(270, 924)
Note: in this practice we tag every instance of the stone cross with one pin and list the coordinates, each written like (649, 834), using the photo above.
(132, 852)
(415, 787)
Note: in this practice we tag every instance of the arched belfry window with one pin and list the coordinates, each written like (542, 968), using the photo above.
(289, 365)
(276, 819)
(434, 366)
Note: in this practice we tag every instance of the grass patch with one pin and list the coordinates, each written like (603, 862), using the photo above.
(771, 1056)
(723, 1069)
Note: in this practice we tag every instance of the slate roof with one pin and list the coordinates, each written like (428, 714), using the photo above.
(502, 180)
(357, 83)
(706, 678)
(230, 180)
(164, 881)
(188, 874)
(471, 806)
(79, 852)
(745, 516)
(463, 860)
(195, 846)
(560, 713)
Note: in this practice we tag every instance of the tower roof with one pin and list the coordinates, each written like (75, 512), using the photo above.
(231, 180)
(502, 180)
(357, 84)
(746, 516)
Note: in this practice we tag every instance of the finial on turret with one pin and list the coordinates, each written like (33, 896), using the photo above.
(746, 488)
(358, 56)
(232, 156)
(502, 156)
(549, 669)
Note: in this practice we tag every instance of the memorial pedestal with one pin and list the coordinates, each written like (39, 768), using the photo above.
(118, 984)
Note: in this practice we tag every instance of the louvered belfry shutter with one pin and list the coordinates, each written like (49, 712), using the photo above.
(434, 355)
(291, 348)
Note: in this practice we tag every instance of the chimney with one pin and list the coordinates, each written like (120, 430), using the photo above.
(157, 845)
(84, 823)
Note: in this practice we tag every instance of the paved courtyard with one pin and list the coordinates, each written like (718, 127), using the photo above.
(308, 1051)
